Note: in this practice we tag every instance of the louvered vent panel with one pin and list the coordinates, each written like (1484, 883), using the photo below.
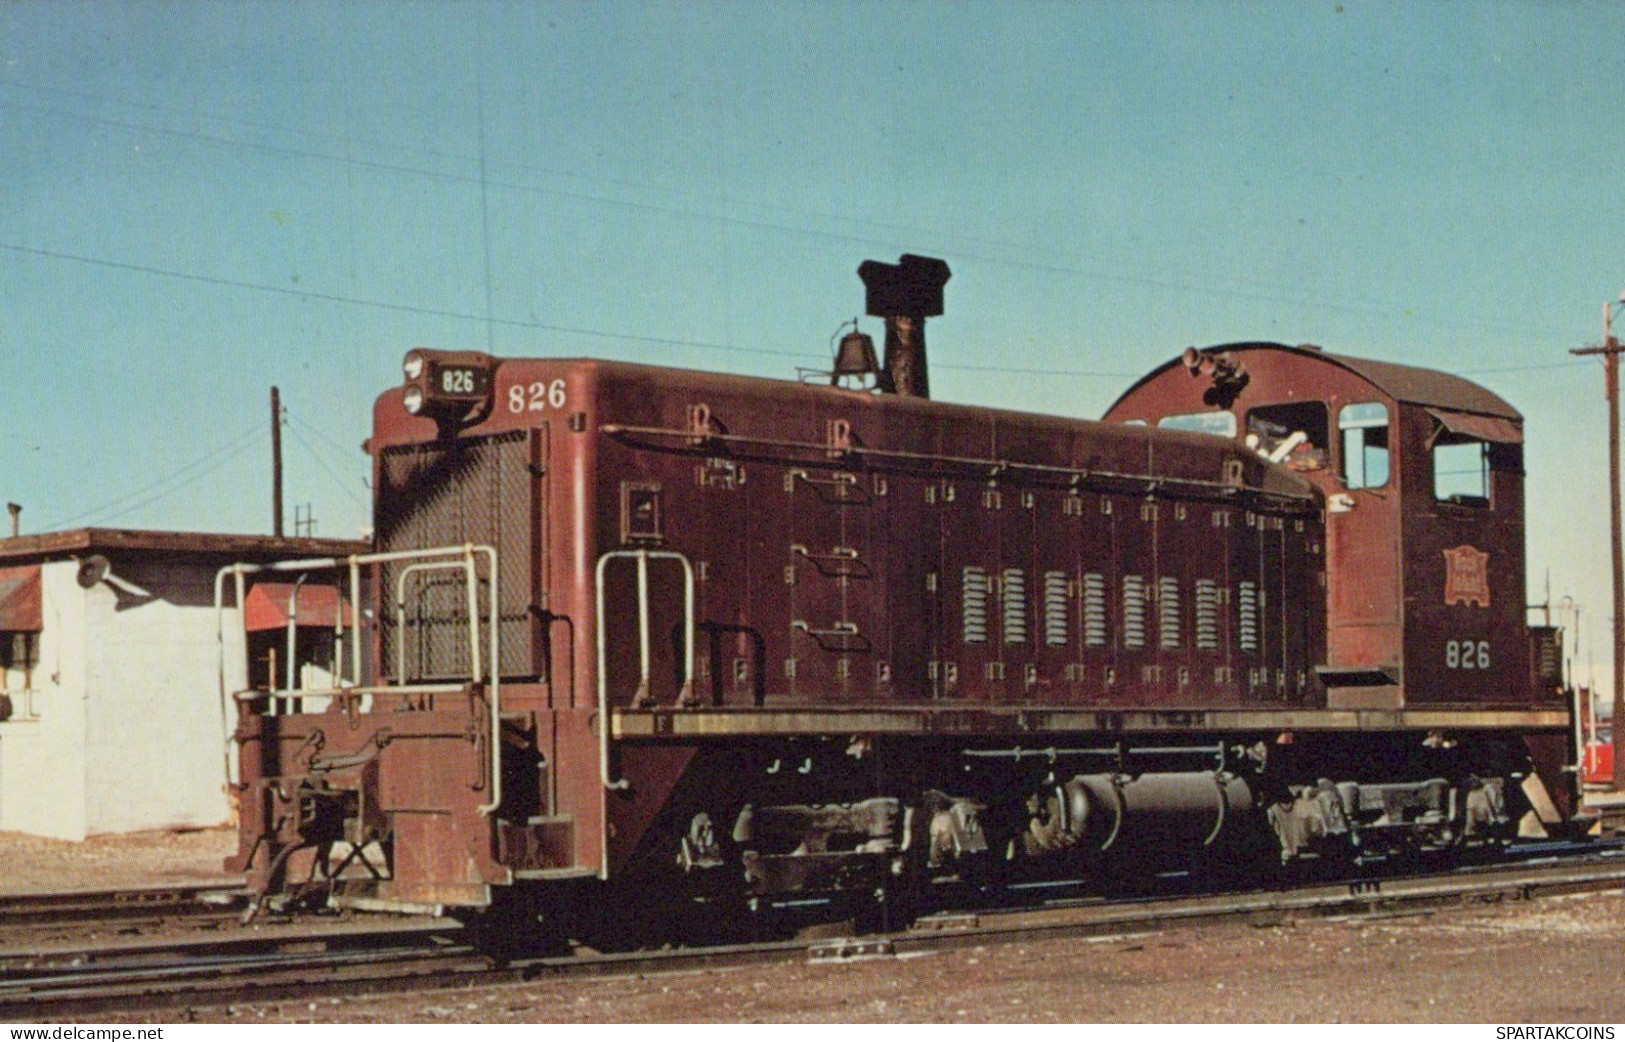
(1015, 605)
(1133, 611)
(1055, 609)
(1247, 616)
(1207, 615)
(1169, 635)
(1094, 610)
(476, 490)
(973, 592)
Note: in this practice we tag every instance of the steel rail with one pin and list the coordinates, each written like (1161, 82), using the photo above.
(23, 966)
(86, 906)
(246, 980)
(1367, 897)
(164, 973)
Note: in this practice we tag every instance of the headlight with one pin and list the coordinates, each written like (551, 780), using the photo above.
(451, 387)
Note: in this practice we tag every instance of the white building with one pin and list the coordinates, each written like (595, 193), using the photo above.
(110, 710)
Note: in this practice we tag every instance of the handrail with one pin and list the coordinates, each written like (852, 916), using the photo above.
(685, 696)
(842, 487)
(838, 562)
(466, 551)
(400, 613)
(355, 622)
(293, 627)
(220, 664)
(1073, 475)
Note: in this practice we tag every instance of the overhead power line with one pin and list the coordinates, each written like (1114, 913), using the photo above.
(294, 428)
(1520, 368)
(1099, 270)
(413, 309)
(333, 298)
(169, 484)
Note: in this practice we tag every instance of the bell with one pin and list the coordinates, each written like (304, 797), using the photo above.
(855, 357)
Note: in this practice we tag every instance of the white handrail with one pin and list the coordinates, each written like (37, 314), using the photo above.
(643, 557)
(400, 615)
(466, 551)
(293, 629)
(469, 550)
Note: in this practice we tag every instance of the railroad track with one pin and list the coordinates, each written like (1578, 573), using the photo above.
(205, 897)
(159, 973)
(1364, 898)
(421, 958)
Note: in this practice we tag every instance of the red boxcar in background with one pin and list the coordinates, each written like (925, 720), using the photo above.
(1597, 759)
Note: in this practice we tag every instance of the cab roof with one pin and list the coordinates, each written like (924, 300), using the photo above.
(1409, 384)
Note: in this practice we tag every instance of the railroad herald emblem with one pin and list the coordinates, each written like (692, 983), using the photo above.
(1467, 576)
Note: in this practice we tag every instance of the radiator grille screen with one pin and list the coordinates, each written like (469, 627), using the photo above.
(474, 490)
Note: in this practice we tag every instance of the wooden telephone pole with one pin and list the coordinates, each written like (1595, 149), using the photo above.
(276, 463)
(1609, 349)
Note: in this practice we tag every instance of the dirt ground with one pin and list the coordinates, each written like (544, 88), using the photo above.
(1554, 961)
(31, 864)
(1542, 962)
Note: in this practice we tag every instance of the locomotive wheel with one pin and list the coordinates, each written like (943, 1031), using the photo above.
(522, 922)
(870, 912)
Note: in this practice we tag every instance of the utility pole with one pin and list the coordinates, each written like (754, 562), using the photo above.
(276, 463)
(1609, 349)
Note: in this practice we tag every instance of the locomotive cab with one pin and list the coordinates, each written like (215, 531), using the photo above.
(1423, 476)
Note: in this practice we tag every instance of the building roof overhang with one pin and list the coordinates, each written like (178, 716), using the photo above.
(212, 546)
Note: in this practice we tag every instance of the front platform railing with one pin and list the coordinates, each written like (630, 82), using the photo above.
(349, 689)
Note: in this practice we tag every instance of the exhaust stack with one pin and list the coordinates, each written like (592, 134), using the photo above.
(905, 294)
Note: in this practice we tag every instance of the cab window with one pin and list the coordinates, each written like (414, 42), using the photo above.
(1461, 471)
(1363, 428)
(1221, 423)
(1293, 433)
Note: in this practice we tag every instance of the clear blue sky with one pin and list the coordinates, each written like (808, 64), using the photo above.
(200, 200)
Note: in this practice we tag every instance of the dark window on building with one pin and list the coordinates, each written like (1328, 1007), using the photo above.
(315, 649)
(19, 654)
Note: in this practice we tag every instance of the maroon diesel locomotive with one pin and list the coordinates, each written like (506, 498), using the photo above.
(683, 633)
